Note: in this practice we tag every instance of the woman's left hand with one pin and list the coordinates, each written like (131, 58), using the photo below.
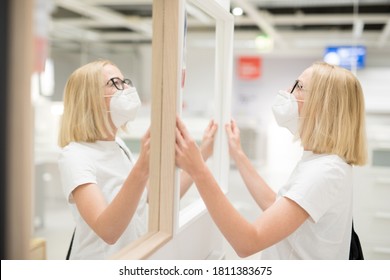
(207, 145)
(188, 156)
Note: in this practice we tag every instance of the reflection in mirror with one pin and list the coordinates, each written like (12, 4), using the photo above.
(198, 95)
(52, 217)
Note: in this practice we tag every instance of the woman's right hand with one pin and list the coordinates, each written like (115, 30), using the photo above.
(188, 155)
(233, 133)
(145, 150)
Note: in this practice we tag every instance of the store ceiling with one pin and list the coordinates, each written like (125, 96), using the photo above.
(293, 25)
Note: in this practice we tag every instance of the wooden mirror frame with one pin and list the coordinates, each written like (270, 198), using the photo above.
(167, 53)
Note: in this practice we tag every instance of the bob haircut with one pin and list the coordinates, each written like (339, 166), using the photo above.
(85, 117)
(333, 114)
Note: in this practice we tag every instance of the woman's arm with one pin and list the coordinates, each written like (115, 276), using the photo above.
(275, 224)
(258, 188)
(110, 220)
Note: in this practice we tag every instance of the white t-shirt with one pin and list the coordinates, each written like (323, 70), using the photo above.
(106, 164)
(322, 185)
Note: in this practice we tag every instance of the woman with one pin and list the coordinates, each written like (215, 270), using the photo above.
(311, 216)
(103, 183)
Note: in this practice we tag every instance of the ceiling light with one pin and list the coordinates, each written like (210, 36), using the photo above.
(237, 11)
(264, 43)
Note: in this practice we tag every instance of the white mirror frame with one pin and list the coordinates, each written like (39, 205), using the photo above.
(167, 50)
(222, 98)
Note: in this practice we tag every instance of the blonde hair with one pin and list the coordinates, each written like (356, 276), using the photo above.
(333, 114)
(85, 117)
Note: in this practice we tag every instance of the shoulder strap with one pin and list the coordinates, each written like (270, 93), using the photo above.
(126, 152)
(356, 251)
(70, 245)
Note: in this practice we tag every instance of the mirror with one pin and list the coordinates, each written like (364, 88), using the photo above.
(82, 33)
(206, 92)
(168, 31)
(198, 93)
(70, 45)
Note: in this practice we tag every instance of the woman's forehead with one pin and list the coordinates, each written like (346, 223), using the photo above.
(306, 74)
(111, 71)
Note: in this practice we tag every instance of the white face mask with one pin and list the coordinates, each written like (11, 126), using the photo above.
(285, 110)
(124, 106)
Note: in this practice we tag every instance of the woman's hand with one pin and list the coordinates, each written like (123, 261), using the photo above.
(207, 145)
(233, 133)
(145, 151)
(188, 156)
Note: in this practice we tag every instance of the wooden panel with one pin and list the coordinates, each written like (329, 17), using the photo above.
(38, 249)
(20, 131)
(156, 115)
(173, 37)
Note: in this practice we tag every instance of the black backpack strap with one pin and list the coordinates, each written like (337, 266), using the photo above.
(355, 252)
(70, 246)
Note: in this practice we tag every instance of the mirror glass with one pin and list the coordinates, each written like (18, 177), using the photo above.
(78, 37)
(198, 94)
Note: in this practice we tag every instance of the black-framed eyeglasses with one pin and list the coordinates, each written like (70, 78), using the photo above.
(119, 83)
(296, 85)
